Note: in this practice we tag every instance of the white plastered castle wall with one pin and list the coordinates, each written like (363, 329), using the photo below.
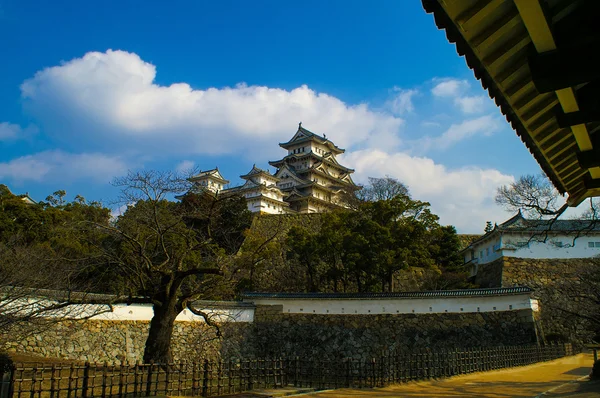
(401, 305)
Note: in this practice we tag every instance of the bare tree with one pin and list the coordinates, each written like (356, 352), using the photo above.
(539, 201)
(532, 194)
(385, 188)
(38, 288)
(173, 253)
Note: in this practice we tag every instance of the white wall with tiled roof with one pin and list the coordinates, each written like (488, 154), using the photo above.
(374, 306)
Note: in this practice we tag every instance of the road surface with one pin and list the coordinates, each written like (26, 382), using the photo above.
(555, 378)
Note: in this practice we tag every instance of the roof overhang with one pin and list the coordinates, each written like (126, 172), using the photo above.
(538, 61)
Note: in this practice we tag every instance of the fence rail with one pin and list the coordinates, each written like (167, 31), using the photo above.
(212, 378)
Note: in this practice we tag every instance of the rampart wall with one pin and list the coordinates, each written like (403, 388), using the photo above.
(274, 333)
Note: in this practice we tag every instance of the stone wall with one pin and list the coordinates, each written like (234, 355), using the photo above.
(490, 274)
(560, 285)
(274, 333)
(340, 336)
(123, 341)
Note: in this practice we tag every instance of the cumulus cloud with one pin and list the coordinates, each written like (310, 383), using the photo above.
(10, 131)
(63, 166)
(457, 91)
(470, 104)
(118, 211)
(185, 165)
(112, 97)
(462, 197)
(482, 126)
(449, 87)
(401, 101)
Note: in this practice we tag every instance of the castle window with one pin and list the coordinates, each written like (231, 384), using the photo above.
(597, 244)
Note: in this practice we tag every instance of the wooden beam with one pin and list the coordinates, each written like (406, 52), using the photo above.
(565, 67)
(537, 25)
(535, 21)
(589, 159)
(591, 183)
(575, 118)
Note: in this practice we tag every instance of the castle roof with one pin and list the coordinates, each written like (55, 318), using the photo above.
(258, 171)
(24, 197)
(214, 174)
(303, 135)
(249, 184)
(501, 291)
(323, 159)
(520, 224)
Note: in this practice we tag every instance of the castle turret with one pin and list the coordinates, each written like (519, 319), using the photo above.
(211, 180)
(261, 192)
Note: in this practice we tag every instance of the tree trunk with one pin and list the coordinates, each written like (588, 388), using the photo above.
(158, 344)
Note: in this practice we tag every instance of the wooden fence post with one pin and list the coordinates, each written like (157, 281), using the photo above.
(149, 379)
(205, 379)
(104, 377)
(7, 378)
(86, 380)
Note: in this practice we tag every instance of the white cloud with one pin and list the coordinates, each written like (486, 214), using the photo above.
(457, 90)
(427, 123)
(482, 126)
(118, 211)
(401, 102)
(62, 166)
(111, 98)
(470, 104)
(185, 165)
(9, 131)
(462, 197)
(449, 87)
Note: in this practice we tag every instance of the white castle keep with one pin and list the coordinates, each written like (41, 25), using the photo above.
(308, 179)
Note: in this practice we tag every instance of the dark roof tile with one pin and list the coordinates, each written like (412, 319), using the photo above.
(423, 294)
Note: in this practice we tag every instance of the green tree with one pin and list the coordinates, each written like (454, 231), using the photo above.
(364, 250)
(44, 250)
(488, 227)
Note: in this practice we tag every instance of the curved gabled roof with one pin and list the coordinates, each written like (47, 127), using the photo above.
(304, 135)
(215, 174)
(258, 171)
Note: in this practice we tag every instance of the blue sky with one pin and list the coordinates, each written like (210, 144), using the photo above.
(91, 90)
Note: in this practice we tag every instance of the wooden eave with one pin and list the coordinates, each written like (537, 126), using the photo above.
(292, 173)
(266, 198)
(325, 175)
(517, 49)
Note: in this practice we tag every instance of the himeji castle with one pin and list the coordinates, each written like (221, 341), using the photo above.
(309, 179)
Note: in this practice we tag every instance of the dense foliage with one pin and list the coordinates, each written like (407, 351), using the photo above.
(386, 237)
(365, 250)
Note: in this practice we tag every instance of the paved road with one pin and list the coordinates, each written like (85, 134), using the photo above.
(528, 381)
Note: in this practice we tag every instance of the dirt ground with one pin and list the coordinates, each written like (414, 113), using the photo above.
(557, 378)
